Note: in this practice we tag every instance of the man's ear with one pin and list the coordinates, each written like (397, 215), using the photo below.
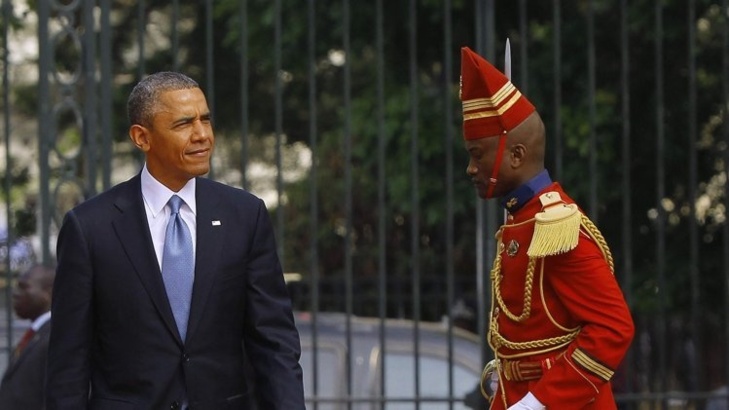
(517, 155)
(139, 136)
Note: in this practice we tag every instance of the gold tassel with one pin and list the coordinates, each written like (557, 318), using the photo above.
(556, 230)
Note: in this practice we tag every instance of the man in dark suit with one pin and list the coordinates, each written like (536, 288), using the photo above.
(23, 382)
(168, 288)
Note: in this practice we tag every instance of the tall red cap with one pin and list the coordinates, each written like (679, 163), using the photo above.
(492, 105)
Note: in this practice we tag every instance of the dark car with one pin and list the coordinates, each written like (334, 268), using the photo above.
(365, 363)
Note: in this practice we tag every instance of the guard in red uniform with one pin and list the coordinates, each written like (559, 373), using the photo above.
(559, 323)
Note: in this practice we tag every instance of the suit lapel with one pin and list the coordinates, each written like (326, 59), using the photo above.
(133, 231)
(14, 363)
(210, 225)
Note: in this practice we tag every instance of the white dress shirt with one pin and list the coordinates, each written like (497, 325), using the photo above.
(156, 197)
(40, 321)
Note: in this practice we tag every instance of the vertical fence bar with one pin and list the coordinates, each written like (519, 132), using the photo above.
(492, 209)
(414, 193)
(141, 58)
(725, 109)
(44, 112)
(696, 323)
(209, 58)
(485, 210)
(523, 47)
(557, 85)
(481, 285)
(489, 42)
(381, 192)
(660, 194)
(627, 222)
(107, 98)
(313, 198)
(448, 146)
(141, 27)
(592, 142)
(210, 68)
(7, 10)
(89, 129)
(278, 128)
(175, 35)
(347, 136)
(244, 97)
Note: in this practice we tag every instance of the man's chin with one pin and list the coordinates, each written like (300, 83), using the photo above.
(482, 193)
(200, 170)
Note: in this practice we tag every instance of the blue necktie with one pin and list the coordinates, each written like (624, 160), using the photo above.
(178, 266)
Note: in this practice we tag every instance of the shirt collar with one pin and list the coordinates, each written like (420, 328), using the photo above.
(156, 195)
(40, 321)
(521, 195)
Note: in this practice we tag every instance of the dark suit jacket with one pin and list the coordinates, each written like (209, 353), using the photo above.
(113, 326)
(22, 384)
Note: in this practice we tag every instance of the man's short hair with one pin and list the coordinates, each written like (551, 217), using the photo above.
(142, 101)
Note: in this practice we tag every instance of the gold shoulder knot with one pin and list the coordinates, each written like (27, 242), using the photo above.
(556, 227)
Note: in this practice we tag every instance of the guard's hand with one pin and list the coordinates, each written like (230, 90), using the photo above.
(529, 402)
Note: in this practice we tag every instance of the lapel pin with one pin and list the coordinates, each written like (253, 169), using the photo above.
(216, 223)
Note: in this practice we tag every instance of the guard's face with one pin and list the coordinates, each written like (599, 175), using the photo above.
(482, 157)
(30, 300)
(180, 140)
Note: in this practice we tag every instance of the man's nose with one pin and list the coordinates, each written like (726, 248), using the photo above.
(471, 170)
(201, 130)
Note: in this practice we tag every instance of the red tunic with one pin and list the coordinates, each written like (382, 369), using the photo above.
(575, 297)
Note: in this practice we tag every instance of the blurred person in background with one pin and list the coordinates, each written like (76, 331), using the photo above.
(22, 385)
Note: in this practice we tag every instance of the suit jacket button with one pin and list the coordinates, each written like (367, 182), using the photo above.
(175, 405)
(185, 357)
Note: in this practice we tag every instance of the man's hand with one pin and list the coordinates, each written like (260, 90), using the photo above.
(529, 402)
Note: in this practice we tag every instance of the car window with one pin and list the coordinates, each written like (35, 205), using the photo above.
(329, 376)
(400, 383)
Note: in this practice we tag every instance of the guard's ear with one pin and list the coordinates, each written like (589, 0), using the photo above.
(517, 155)
(139, 136)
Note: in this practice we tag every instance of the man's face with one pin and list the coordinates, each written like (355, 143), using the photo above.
(180, 139)
(482, 156)
(30, 299)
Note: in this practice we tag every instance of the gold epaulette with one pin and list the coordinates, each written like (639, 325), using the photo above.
(556, 227)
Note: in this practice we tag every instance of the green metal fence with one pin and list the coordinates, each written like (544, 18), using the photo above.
(344, 117)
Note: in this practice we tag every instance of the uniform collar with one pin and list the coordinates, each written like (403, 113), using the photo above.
(517, 198)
